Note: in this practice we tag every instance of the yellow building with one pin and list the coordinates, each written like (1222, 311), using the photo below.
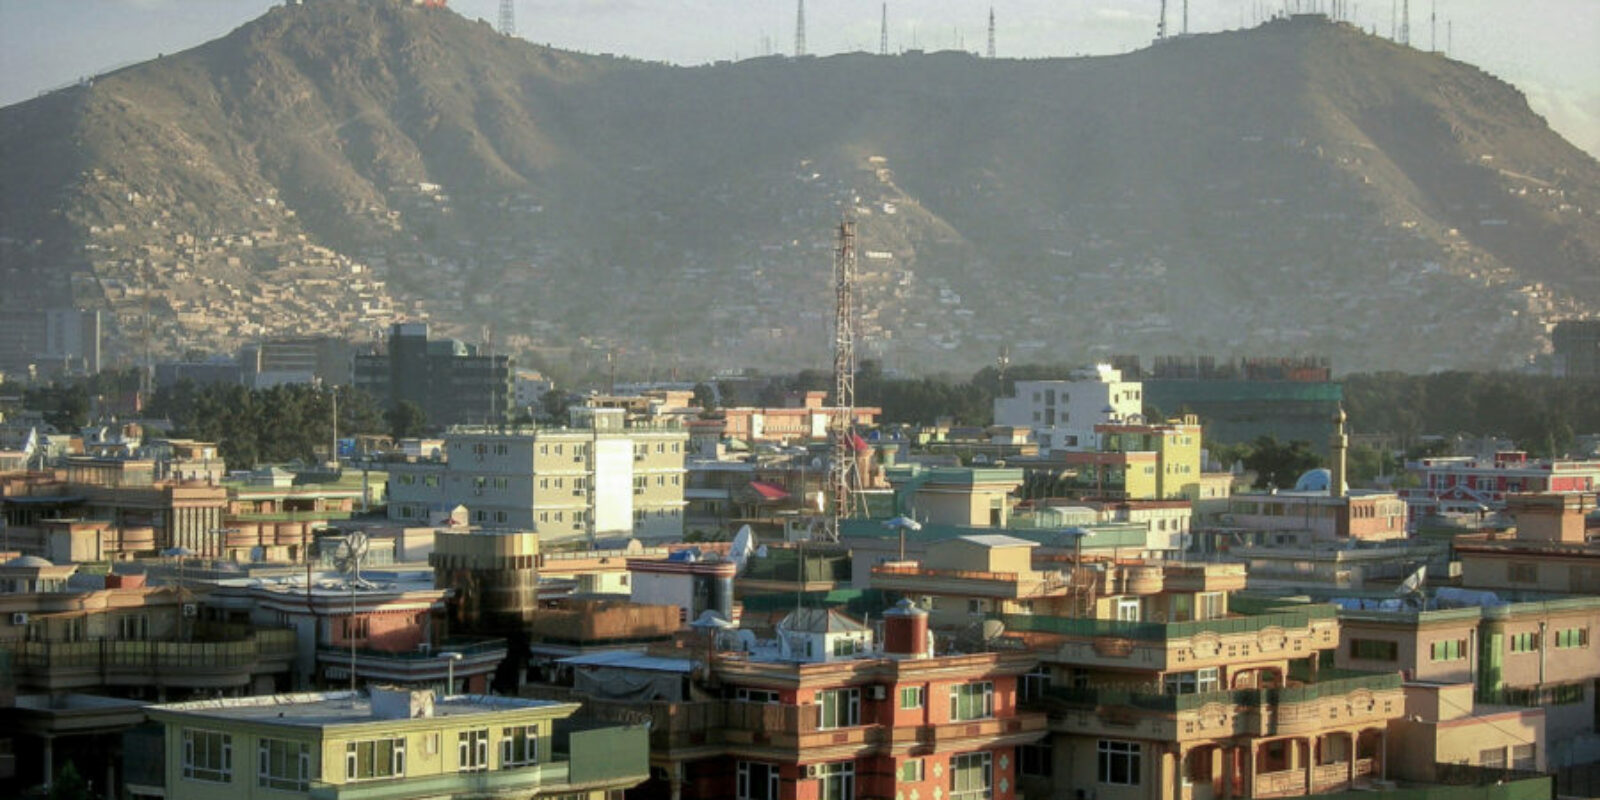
(390, 744)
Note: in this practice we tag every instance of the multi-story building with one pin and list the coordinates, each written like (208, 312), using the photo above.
(389, 744)
(1063, 413)
(598, 478)
(449, 380)
(803, 418)
(1137, 461)
(1534, 654)
(312, 359)
(1471, 486)
(1161, 686)
(1241, 400)
(1550, 551)
(1576, 343)
(820, 711)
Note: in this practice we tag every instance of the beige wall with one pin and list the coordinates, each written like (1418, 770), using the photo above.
(1414, 647)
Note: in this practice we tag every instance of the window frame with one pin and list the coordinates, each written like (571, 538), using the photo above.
(472, 750)
(964, 765)
(207, 773)
(267, 759)
(1111, 751)
(519, 746)
(963, 695)
(844, 715)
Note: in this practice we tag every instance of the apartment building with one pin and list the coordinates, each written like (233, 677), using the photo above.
(451, 381)
(1063, 413)
(1137, 461)
(1551, 550)
(389, 743)
(822, 710)
(600, 477)
(1459, 485)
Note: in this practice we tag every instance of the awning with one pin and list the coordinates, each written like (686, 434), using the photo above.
(769, 491)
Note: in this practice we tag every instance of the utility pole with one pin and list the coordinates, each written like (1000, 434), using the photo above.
(800, 30)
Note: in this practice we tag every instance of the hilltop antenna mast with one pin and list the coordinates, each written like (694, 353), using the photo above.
(1185, 17)
(883, 32)
(1405, 22)
(800, 30)
(991, 31)
(1433, 27)
(1161, 24)
(508, 17)
(843, 480)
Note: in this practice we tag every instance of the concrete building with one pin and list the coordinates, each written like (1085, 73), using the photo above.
(1290, 398)
(390, 743)
(451, 381)
(1063, 413)
(1576, 343)
(802, 418)
(308, 359)
(1470, 487)
(1137, 461)
(599, 478)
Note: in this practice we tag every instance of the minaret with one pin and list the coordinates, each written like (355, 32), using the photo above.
(1338, 444)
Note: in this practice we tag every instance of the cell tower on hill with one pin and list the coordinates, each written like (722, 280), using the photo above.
(800, 29)
(844, 481)
(1405, 23)
(883, 32)
(991, 31)
(508, 17)
(1161, 23)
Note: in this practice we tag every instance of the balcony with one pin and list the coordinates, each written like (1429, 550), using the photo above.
(56, 666)
(479, 655)
(1198, 643)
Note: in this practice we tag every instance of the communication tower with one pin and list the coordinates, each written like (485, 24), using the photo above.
(800, 30)
(843, 479)
(1405, 22)
(1161, 24)
(883, 32)
(991, 31)
(508, 17)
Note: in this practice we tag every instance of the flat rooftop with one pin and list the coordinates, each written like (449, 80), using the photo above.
(318, 709)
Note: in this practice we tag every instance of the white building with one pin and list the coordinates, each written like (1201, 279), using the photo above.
(1062, 414)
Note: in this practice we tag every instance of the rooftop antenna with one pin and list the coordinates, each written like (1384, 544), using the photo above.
(991, 31)
(508, 17)
(1161, 24)
(1405, 22)
(883, 32)
(800, 30)
(1433, 27)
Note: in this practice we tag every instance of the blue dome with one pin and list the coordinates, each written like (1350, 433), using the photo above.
(1316, 480)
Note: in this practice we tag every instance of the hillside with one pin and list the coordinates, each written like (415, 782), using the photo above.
(1297, 188)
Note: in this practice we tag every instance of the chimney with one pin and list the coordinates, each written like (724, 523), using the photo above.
(905, 631)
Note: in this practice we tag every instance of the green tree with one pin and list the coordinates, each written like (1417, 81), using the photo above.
(704, 396)
(406, 420)
(69, 785)
(1279, 465)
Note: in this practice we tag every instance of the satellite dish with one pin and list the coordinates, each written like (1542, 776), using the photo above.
(743, 545)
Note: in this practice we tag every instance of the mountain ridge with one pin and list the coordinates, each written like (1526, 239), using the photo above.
(1357, 199)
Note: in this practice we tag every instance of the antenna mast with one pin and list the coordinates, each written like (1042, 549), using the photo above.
(508, 17)
(842, 477)
(883, 32)
(1405, 22)
(1161, 24)
(800, 30)
(991, 31)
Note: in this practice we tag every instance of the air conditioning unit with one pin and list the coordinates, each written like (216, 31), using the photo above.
(19, 618)
(813, 770)
(191, 610)
(879, 693)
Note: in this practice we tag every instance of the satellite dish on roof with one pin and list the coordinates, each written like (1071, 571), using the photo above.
(743, 545)
(347, 558)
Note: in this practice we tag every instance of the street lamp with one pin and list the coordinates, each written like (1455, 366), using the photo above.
(451, 657)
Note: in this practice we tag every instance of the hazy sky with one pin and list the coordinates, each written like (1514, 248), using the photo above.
(1546, 47)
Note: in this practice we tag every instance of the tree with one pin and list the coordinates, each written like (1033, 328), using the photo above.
(553, 405)
(1280, 465)
(705, 396)
(406, 420)
(69, 785)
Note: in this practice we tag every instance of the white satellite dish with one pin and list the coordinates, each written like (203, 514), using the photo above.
(743, 545)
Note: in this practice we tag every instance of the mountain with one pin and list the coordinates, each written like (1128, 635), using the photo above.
(1297, 188)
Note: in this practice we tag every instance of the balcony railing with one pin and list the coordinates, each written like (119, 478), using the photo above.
(456, 784)
(109, 654)
(1332, 683)
(1162, 631)
(467, 646)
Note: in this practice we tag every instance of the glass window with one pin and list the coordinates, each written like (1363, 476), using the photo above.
(838, 780)
(207, 756)
(1374, 650)
(1572, 637)
(1524, 642)
(376, 758)
(838, 708)
(1449, 650)
(1128, 609)
(1119, 762)
(1035, 684)
(1211, 605)
(283, 765)
(756, 695)
(970, 701)
(1035, 760)
(757, 781)
(911, 697)
(971, 776)
(519, 746)
(911, 770)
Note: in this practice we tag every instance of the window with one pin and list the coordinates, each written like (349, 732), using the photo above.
(972, 701)
(207, 756)
(845, 646)
(377, 758)
(1449, 650)
(1204, 680)
(971, 776)
(1128, 609)
(1572, 637)
(283, 765)
(1035, 684)
(1035, 761)
(757, 781)
(1524, 642)
(133, 627)
(1211, 605)
(756, 696)
(1493, 757)
(472, 750)
(911, 697)
(1119, 762)
(910, 770)
(838, 780)
(1208, 680)
(838, 708)
(1522, 573)
(519, 746)
(430, 480)
(1523, 757)
(355, 628)
(1374, 650)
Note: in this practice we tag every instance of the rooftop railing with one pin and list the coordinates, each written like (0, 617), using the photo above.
(1162, 631)
(1330, 683)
